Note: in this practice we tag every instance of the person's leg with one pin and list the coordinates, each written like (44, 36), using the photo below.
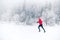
(43, 28)
(39, 28)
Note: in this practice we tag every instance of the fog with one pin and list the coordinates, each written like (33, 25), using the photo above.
(27, 11)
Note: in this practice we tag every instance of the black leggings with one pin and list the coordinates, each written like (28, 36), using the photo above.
(41, 27)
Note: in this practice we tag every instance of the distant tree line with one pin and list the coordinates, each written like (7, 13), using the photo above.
(29, 14)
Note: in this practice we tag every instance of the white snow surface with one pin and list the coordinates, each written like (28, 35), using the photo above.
(11, 31)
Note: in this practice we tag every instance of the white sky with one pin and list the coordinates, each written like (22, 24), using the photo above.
(14, 2)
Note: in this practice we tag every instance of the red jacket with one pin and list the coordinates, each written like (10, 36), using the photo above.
(40, 21)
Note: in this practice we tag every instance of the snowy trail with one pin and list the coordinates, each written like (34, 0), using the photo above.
(10, 31)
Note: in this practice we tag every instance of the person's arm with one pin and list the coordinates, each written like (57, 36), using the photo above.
(37, 21)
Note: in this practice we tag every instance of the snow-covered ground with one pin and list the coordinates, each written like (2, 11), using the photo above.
(11, 31)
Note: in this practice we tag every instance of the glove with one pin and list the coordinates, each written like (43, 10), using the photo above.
(37, 22)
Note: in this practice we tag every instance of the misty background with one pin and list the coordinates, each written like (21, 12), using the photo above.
(28, 11)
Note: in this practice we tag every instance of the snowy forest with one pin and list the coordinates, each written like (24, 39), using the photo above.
(28, 11)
